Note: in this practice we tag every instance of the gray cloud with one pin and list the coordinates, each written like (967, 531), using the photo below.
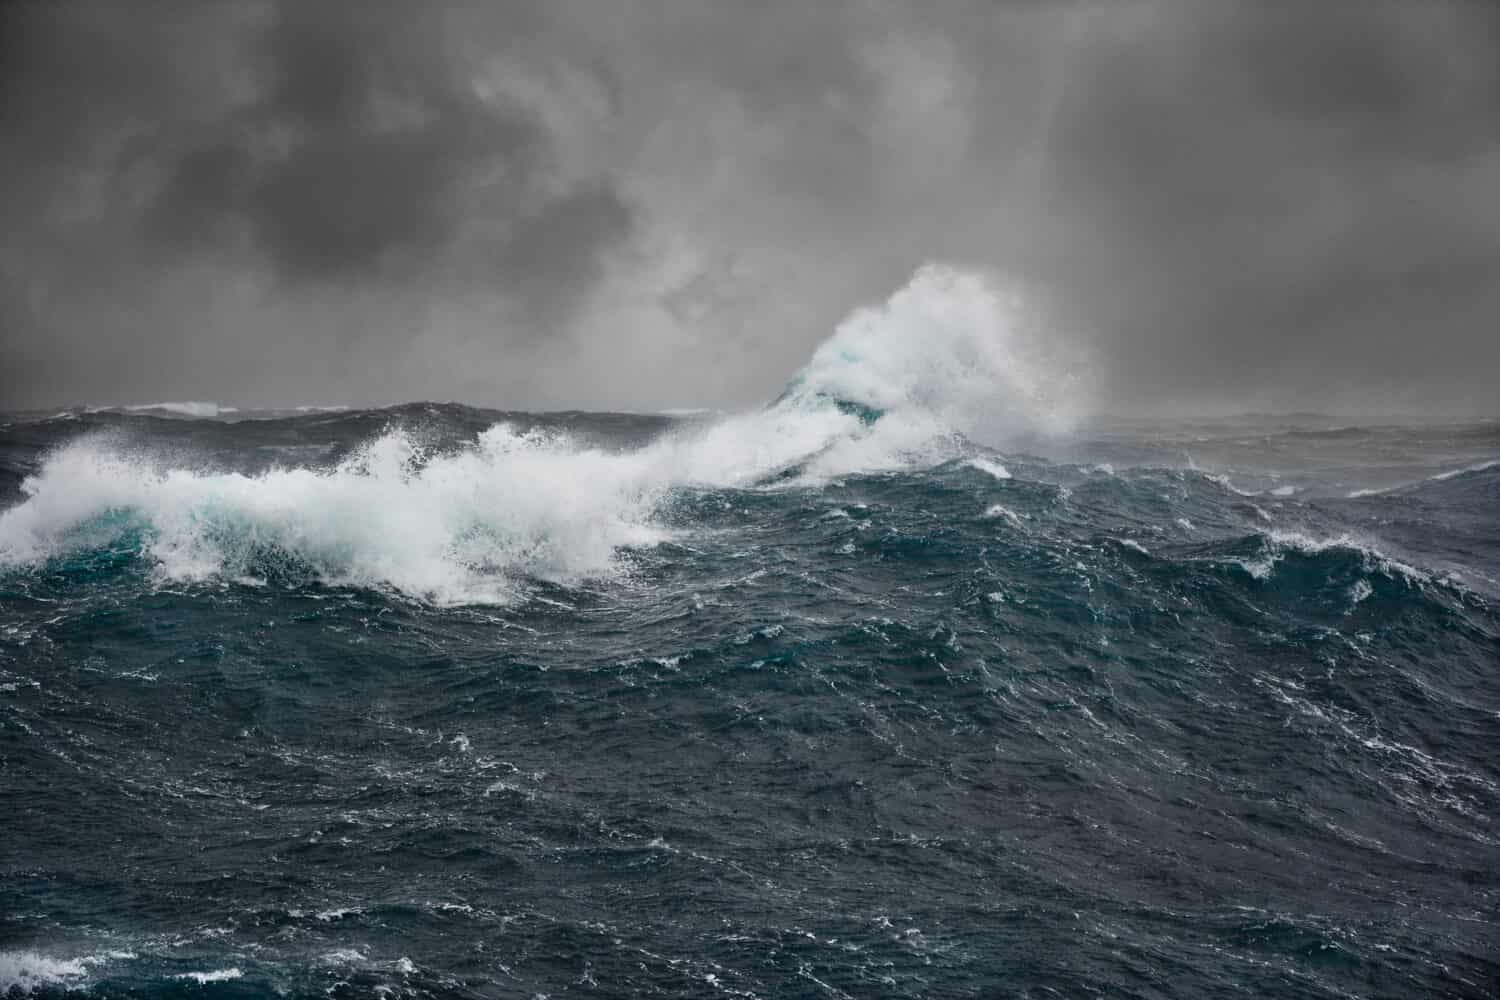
(368, 150)
(645, 203)
(1284, 201)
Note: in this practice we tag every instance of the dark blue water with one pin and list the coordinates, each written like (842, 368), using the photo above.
(389, 703)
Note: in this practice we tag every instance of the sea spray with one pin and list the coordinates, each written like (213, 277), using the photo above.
(894, 387)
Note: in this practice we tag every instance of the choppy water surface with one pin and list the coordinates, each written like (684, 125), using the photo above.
(825, 699)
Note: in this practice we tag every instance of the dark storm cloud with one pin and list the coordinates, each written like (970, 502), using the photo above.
(341, 150)
(657, 203)
(361, 155)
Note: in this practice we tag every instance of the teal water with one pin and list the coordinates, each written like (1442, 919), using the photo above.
(396, 703)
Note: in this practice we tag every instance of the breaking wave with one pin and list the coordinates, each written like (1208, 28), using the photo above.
(893, 387)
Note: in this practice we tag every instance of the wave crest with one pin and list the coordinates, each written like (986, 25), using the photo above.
(893, 387)
(950, 344)
(449, 528)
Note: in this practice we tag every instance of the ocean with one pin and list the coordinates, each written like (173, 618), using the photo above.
(872, 691)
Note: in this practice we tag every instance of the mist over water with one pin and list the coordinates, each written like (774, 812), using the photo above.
(919, 680)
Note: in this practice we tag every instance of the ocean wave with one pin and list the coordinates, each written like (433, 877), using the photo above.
(198, 410)
(1272, 548)
(26, 971)
(448, 528)
(1000, 511)
(1280, 492)
(1455, 473)
(1441, 477)
(990, 467)
(212, 976)
(949, 343)
(890, 389)
(1226, 483)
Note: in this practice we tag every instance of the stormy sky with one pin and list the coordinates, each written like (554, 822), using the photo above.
(637, 204)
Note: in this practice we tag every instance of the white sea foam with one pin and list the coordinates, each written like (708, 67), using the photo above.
(993, 468)
(949, 342)
(1000, 511)
(337, 913)
(1277, 544)
(1452, 473)
(24, 971)
(1225, 482)
(1373, 557)
(212, 976)
(27, 970)
(889, 389)
(448, 528)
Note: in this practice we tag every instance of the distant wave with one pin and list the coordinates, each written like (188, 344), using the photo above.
(1281, 492)
(199, 410)
(1438, 478)
(1454, 473)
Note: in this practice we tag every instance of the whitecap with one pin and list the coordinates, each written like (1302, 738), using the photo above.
(892, 388)
(27, 970)
(337, 913)
(1453, 473)
(1437, 478)
(1276, 544)
(1225, 482)
(993, 468)
(1001, 511)
(212, 976)
(1374, 559)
